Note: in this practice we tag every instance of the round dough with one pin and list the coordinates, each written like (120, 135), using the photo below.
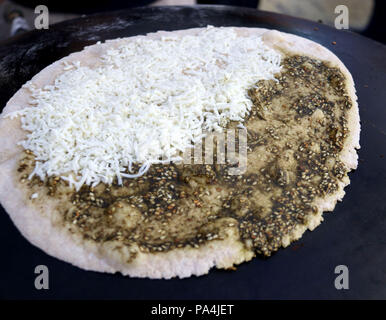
(33, 219)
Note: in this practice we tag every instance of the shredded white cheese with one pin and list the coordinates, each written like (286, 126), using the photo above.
(147, 102)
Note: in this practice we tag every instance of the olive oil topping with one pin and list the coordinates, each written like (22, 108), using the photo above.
(296, 130)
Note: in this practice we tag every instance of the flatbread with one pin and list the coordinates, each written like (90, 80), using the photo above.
(36, 219)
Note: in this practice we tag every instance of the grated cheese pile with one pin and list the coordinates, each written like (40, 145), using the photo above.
(146, 102)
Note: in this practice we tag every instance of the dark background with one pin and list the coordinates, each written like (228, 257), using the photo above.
(353, 235)
(375, 30)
